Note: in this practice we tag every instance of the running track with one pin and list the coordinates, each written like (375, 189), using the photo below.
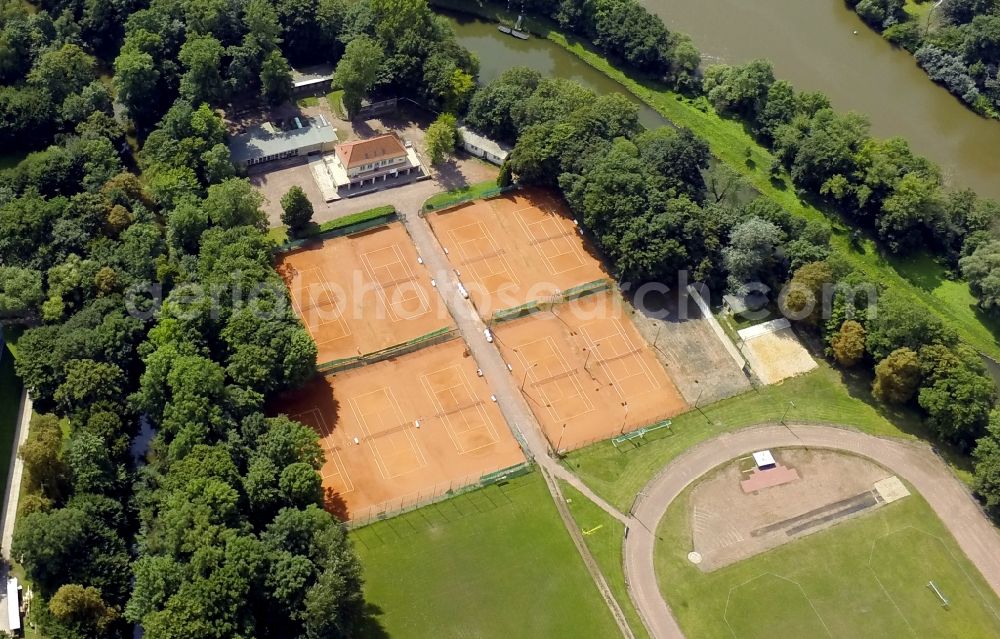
(915, 462)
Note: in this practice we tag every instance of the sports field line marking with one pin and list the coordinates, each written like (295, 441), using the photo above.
(566, 369)
(439, 407)
(568, 240)
(384, 294)
(328, 441)
(475, 262)
(725, 613)
(370, 437)
(982, 597)
(630, 350)
(339, 319)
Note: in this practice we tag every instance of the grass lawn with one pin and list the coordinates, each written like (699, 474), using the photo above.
(469, 192)
(920, 278)
(822, 396)
(491, 564)
(336, 101)
(865, 577)
(604, 536)
(308, 101)
(10, 402)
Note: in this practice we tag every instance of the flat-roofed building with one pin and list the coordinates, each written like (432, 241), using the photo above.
(482, 146)
(312, 80)
(266, 143)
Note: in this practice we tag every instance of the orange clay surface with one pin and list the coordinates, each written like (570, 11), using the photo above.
(586, 372)
(361, 293)
(376, 457)
(514, 248)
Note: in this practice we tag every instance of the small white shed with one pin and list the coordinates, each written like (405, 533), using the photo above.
(764, 460)
(483, 147)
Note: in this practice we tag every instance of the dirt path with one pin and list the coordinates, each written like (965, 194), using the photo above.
(10, 498)
(913, 461)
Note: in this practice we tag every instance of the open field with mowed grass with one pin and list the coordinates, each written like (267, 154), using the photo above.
(491, 564)
(822, 396)
(866, 577)
(604, 536)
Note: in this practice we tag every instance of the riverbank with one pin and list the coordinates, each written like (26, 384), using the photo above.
(919, 277)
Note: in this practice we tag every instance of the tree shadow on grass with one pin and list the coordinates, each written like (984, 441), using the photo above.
(370, 626)
(906, 418)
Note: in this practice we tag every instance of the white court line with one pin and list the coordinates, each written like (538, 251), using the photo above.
(565, 369)
(439, 408)
(370, 438)
(325, 283)
(526, 227)
(384, 294)
(629, 348)
(468, 258)
(337, 459)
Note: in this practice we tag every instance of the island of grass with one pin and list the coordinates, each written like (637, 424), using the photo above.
(866, 577)
(492, 564)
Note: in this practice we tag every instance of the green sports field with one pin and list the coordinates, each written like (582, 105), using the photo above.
(866, 577)
(496, 563)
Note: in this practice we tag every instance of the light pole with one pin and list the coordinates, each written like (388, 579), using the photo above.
(524, 380)
(787, 408)
(559, 443)
(699, 407)
(624, 419)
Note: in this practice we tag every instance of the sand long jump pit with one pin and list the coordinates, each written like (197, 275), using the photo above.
(403, 431)
(586, 372)
(515, 248)
(363, 292)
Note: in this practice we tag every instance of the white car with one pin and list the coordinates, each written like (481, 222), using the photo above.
(488, 334)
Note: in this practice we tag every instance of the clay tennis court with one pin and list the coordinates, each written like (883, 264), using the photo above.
(377, 457)
(361, 293)
(514, 249)
(586, 372)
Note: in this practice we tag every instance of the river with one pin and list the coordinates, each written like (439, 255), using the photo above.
(498, 52)
(812, 44)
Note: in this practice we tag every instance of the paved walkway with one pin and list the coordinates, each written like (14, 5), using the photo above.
(913, 461)
(509, 399)
(14, 473)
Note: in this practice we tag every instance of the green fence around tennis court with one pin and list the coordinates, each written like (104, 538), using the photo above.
(430, 339)
(505, 474)
(348, 225)
(448, 200)
(538, 306)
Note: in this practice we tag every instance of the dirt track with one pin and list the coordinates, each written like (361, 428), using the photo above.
(913, 461)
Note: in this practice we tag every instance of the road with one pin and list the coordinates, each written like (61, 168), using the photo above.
(913, 461)
(10, 498)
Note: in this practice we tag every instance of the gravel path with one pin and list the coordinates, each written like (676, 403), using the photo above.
(913, 461)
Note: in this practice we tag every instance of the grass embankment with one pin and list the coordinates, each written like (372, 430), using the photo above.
(491, 564)
(822, 396)
(336, 101)
(919, 277)
(280, 233)
(469, 192)
(604, 536)
(866, 577)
